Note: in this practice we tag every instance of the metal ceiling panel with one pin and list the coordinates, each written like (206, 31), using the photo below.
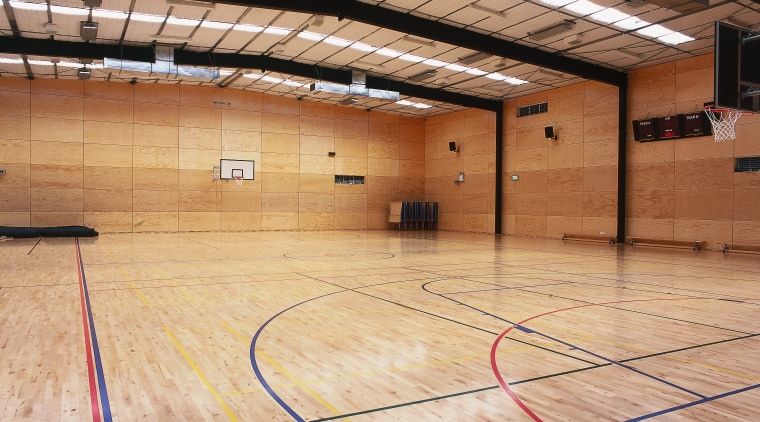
(261, 17)
(440, 8)
(141, 32)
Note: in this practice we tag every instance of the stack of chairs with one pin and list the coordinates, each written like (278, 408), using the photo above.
(419, 215)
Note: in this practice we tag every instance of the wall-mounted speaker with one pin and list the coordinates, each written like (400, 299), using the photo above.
(549, 133)
(453, 147)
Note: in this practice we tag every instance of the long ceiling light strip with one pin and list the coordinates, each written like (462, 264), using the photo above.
(273, 31)
(611, 16)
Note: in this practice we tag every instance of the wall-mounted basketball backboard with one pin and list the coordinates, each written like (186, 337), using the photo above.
(235, 169)
(737, 68)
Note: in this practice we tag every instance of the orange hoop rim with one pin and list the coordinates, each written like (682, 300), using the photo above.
(726, 110)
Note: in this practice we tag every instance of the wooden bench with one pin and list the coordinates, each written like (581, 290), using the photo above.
(587, 238)
(747, 249)
(683, 244)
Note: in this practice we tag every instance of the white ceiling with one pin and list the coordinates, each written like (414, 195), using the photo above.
(295, 36)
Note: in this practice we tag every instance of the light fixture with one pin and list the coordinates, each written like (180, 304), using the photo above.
(630, 53)
(51, 28)
(484, 9)
(203, 4)
(473, 58)
(420, 41)
(550, 134)
(88, 30)
(552, 30)
(574, 39)
(170, 38)
(83, 73)
(634, 4)
(419, 77)
(317, 20)
(349, 101)
(550, 73)
(279, 48)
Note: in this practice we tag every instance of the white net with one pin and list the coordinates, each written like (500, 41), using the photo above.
(723, 122)
(239, 180)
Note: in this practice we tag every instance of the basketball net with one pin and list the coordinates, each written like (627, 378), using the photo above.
(239, 180)
(723, 122)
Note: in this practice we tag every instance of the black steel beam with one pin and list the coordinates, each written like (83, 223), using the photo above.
(414, 25)
(52, 48)
(268, 63)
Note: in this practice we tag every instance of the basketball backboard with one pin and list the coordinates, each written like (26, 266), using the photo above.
(235, 169)
(737, 67)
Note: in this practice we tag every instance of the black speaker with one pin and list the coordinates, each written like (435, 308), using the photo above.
(549, 132)
(452, 146)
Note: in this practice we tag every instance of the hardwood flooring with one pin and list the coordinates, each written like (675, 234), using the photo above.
(374, 326)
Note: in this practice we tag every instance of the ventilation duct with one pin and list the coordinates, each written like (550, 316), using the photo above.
(473, 58)
(358, 88)
(164, 64)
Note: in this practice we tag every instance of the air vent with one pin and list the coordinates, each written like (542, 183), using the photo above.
(552, 30)
(532, 109)
(343, 179)
(747, 164)
(474, 58)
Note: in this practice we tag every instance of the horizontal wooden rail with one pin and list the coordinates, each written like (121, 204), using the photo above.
(748, 249)
(663, 243)
(587, 238)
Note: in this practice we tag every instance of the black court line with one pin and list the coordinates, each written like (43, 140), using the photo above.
(34, 246)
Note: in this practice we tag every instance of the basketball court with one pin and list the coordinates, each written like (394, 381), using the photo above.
(388, 325)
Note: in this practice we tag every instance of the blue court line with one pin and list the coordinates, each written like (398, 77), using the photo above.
(96, 350)
(694, 403)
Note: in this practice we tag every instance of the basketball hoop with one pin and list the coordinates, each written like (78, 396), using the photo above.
(239, 180)
(723, 121)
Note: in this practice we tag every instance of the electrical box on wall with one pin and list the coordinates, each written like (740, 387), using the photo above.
(2, 172)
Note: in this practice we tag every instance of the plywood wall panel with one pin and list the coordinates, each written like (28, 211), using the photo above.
(316, 221)
(108, 155)
(378, 148)
(155, 201)
(198, 201)
(243, 100)
(565, 108)
(358, 129)
(200, 117)
(411, 187)
(156, 94)
(57, 130)
(156, 136)
(650, 152)
(15, 84)
(600, 204)
(705, 204)
(565, 180)
(382, 167)
(276, 182)
(237, 221)
(102, 110)
(108, 133)
(108, 200)
(15, 219)
(531, 137)
(602, 101)
(530, 225)
(531, 204)
(194, 96)
(53, 176)
(383, 131)
(15, 126)
(715, 173)
(600, 226)
(316, 183)
(558, 226)
(411, 151)
(198, 180)
(279, 221)
(109, 91)
(63, 87)
(200, 138)
(280, 105)
(241, 120)
(243, 201)
(56, 200)
(569, 204)
(198, 159)
(411, 168)
(107, 178)
(57, 107)
(650, 228)
(15, 199)
(166, 179)
(603, 127)
(15, 151)
(316, 145)
(600, 179)
(350, 221)
(200, 221)
(414, 132)
(702, 147)
(655, 204)
(155, 221)
(16, 176)
(317, 126)
(109, 222)
(279, 202)
(353, 166)
(158, 114)
(279, 123)
(16, 103)
(695, 84)
(715, 232)
(60, 153)
(644, 177)
(61, 218)
(154, 157)
(316, 203)
(531, 159)
(600, 153)
(565, 156)
(746, 233)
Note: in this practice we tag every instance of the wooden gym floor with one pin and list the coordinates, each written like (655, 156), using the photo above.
(374, 326)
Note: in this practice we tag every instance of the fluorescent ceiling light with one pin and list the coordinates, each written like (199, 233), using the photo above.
(404, 102)
(631, 23)
(216, 25)
(349, 101)
(363, 47)
(171, 38)
(388, 52)
(476, 72)
(141, 17)
(484, 9)
(420, 41)
(675, 38)
(340, 42)
(8, 60)
(655, 31)
(109, 14)
(434, 63)
(28, 6)
(311, 36)
(557, 3)
(248, 28)
(583, 7)
(514, 81)
(171, 20)
(203, 4)
(411, 58)
(456, 68)
(71, 11)
(609, 15)
(276, 31)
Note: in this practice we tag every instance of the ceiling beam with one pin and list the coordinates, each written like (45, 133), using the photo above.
(413, 25)
(80, 50)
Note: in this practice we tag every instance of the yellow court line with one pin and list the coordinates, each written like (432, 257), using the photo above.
(134, 286)
(173, 283)
(297, 382)
(200, 375)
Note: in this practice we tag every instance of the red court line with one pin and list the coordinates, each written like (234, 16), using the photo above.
(90, 368)
(496, 342)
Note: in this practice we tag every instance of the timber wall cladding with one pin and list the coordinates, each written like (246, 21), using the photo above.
(686, 189)
(122, 158)
(467, 206)
(568, 186)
